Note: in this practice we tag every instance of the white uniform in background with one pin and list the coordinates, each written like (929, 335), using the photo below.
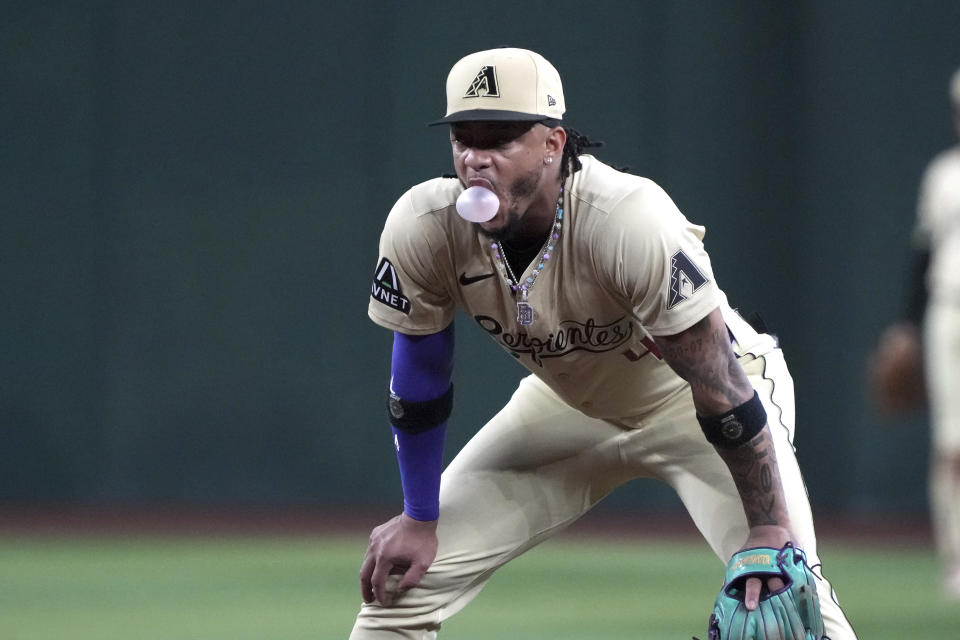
(938, 230)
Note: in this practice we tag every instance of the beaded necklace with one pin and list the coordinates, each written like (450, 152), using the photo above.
(524, 309)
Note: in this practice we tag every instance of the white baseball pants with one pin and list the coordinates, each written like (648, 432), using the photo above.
(540, 464)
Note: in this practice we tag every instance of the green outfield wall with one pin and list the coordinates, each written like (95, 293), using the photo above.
(192, 192)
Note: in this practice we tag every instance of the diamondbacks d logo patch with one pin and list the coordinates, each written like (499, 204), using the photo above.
(484, 85)
(386, 288)
(685, 278)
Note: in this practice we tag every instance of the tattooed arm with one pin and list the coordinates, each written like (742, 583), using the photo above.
(702, 356)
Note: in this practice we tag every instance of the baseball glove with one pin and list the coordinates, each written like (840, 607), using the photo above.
(791, 613)
(895, 370)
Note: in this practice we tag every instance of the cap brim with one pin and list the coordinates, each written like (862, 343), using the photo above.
(492, 115)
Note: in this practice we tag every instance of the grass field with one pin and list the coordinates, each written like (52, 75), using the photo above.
(275, 587)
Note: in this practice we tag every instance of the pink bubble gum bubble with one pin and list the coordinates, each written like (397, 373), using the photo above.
(477, 204)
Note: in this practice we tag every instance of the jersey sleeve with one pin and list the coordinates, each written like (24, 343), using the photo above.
(409, 293)
(657, 260)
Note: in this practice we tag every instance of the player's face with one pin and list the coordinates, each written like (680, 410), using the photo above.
(506, 158)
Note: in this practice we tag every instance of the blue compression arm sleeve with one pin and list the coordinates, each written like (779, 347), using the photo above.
(421, 369)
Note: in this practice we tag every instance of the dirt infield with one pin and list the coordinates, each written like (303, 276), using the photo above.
(272, 520)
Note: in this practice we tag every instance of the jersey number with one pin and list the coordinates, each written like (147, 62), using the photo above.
(651, 346)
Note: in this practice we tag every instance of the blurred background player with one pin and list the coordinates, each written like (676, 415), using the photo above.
(918, 358)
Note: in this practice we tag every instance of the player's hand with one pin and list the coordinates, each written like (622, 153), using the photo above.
(895, 369)
(764, 536)
(401, 546)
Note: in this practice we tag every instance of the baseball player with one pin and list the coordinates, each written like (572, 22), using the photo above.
(925, 347)
(639, 368)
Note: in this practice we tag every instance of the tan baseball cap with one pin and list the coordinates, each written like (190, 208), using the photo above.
(503, 84)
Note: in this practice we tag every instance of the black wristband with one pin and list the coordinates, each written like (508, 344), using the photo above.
(416, 417)
(737, 426)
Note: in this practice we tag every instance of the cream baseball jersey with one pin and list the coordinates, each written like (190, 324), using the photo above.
(938, 223)
(627, 266)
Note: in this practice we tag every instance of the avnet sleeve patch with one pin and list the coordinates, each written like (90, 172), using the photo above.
(386, 287)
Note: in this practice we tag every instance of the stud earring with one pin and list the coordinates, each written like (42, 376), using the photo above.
(548, 159)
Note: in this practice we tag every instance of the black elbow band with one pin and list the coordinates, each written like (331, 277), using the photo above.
(415, 417)
(737, 426)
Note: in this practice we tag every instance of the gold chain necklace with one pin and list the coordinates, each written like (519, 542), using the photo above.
(524, 309)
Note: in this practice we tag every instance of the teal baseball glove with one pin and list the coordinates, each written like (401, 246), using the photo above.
(790, 613)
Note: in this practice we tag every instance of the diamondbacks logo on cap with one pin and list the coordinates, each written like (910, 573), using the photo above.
(685, 278)
(484, 85)
(386, 288)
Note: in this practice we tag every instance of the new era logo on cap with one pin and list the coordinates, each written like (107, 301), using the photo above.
(503, 84)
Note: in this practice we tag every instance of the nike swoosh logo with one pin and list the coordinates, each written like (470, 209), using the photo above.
(465, 279)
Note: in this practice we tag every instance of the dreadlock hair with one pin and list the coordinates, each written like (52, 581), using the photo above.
(575, 145)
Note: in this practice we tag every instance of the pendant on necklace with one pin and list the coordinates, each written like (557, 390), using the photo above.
(524, 313)
(524, 309)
